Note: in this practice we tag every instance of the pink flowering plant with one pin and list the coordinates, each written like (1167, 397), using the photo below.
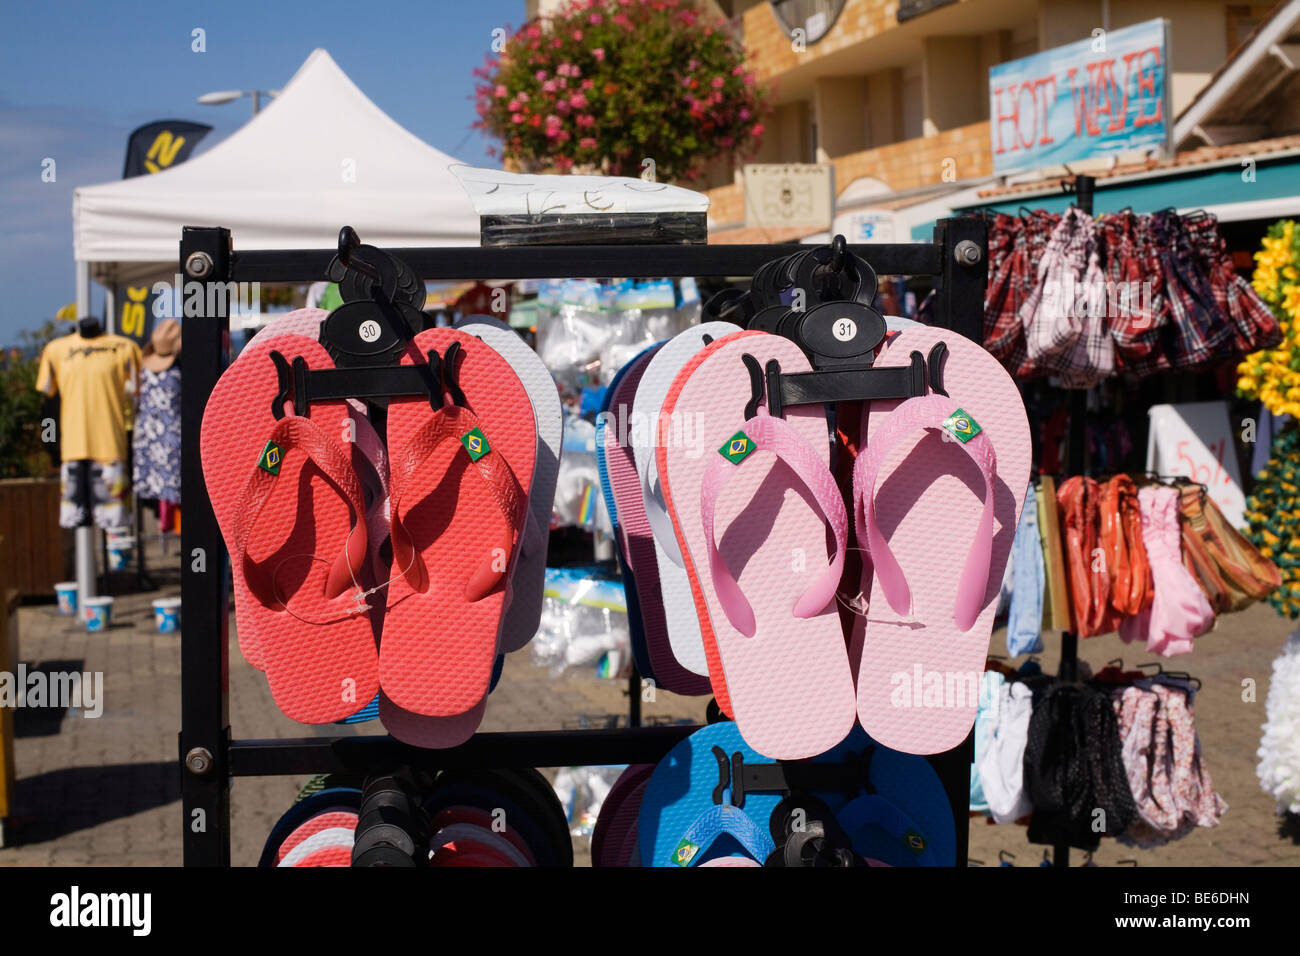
(608, 83)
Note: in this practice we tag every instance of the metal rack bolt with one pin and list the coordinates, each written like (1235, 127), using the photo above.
(199, 760)
(198, 265)
(967, 253)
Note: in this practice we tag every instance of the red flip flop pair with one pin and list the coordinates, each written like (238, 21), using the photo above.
(286, 495)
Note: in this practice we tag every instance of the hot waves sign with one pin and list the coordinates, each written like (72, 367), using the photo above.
(1104, 95)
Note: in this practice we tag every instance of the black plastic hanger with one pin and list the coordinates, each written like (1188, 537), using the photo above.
(1176, 675)
(378, 323)
(851, 775)
(367, 338)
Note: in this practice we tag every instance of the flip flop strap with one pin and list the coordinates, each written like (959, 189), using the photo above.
(656, 510)
(925, 412)
(775, 435)
(875, 810)
(452, 424)
(719, 820)
(602, 465)
(301, 434)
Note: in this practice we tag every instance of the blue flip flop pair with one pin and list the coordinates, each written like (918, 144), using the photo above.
(689, 814)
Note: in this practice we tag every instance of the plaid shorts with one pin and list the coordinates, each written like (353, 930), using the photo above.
(1083, 299)
(1015, 244)
(1254, 326)
(1203, 335)
(1053, 312)
(1138, 310)
(1092, 357)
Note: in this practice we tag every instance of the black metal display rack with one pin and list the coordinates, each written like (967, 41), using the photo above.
(210, 757)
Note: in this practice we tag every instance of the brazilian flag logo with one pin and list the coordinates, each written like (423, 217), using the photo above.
(737, 448)
(475, 443)
(962, 426)
(685, 852)
(271, 458)
(914, 842)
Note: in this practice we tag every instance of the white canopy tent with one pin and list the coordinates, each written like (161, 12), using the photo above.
(320, 156)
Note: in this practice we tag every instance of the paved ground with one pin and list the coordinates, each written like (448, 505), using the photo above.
(106, 790)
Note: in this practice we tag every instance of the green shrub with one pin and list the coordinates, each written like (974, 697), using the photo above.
(22, 455)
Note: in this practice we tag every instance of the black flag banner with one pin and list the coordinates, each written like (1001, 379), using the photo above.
(161, 145)
(151, 149)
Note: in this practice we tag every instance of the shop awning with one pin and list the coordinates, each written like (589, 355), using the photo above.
(1259, 180)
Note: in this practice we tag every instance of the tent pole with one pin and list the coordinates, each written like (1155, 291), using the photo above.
(85, 537)
(83, 288)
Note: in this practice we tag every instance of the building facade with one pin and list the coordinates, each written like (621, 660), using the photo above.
(895, 92)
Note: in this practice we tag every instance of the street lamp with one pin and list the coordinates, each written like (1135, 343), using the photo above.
(221, 97)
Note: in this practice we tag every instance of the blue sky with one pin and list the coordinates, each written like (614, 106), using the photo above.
(77, 78)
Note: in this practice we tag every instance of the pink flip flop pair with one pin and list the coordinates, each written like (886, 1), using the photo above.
(311, 597)
(763, 531)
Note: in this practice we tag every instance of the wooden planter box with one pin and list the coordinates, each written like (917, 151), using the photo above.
(8, 664)
(32, 554)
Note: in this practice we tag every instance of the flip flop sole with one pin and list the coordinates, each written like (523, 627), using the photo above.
(434, 733)
(331, 838)
(524, 614)
(342, 799)
(481, 818)
(614, 835)
(684, 625)
(329, 856)
(633, 533)
(329, 820)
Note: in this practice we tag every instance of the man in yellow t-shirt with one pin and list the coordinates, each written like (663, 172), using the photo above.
(96, 376)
